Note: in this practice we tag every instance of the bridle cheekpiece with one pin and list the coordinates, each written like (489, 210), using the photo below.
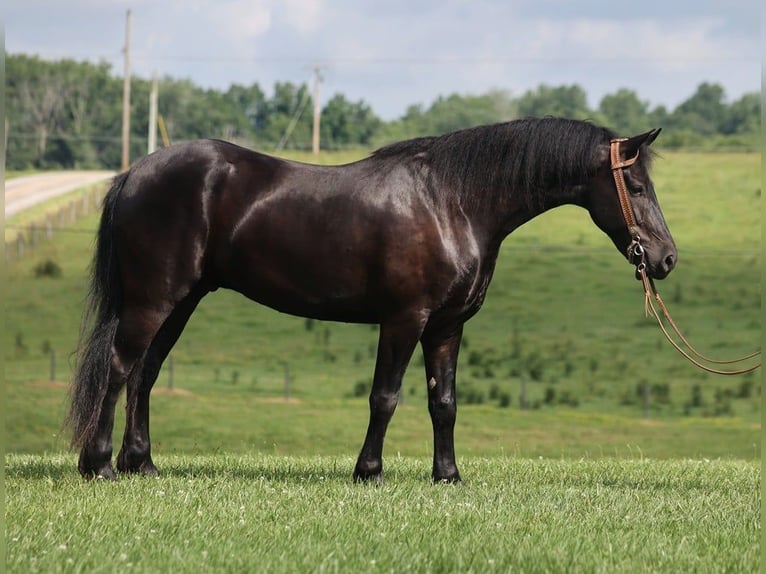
(636, 251)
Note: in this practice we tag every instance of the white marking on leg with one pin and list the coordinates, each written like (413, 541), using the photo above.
(432, 383)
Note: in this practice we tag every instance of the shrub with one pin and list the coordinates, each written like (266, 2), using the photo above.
(745, 389)
(469, 394)
(569, 399)
(48, 268)
(361, 388)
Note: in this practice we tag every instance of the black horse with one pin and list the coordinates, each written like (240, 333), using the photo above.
(406, 238)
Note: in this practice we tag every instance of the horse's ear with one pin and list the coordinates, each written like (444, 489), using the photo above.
(630, 146)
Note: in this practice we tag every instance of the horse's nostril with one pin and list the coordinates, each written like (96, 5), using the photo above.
(670, 261)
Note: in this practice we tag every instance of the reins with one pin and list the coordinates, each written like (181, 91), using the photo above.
(637, 256)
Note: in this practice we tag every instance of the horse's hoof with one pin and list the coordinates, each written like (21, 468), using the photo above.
(148, 469)
(98, 467)
(145, 467)
(363, 477)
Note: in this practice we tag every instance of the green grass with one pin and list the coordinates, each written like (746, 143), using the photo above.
(251, 482)
(324, 157)
(230, 513)
(563, 306)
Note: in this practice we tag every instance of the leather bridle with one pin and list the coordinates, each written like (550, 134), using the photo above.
(637, 255)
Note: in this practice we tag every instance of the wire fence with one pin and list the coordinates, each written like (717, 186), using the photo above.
(29, 236)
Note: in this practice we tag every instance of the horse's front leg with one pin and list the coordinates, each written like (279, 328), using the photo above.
(396, 343)
(440, 352)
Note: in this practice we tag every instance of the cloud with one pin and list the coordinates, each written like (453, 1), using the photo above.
(241, 19)
(304, 15)
(666, 46)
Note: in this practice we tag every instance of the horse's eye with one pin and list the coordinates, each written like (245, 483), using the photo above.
(636, 189)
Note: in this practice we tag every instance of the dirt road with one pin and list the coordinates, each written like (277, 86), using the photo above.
(23, 192)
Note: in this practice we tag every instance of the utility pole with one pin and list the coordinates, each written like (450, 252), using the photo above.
(153, 96)
(317, 111)
(126, 98)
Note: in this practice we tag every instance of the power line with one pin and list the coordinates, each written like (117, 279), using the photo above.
(468, 60)
(302, 60)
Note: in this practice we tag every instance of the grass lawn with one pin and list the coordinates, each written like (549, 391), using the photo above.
(266, 513)
(567, 469)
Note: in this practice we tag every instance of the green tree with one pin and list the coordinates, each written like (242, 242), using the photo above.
(344, 123)
(451, 113)
(57, 112)
(289, 116)
(35, 99)
(251, 100)
(744, 115)
(704, 112)
(562, 101)
(624, 112)
(69, 114)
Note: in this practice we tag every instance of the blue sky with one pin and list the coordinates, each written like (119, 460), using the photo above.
(395, 53)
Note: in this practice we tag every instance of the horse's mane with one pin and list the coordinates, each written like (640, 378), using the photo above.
(527, 156)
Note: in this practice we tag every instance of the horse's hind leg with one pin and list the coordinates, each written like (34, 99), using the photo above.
(135, 454)
(135, 330)
(96, 456)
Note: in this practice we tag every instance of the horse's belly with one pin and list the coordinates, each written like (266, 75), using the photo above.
(306, 286)
(348, 310)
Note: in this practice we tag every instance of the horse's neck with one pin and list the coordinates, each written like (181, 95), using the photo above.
(507, 215)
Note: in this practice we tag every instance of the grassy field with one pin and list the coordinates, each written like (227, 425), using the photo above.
(578, 481)
(563, 317)
(231, 513)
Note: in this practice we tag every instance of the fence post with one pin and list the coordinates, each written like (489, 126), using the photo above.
(523, 397)
(287, 382)
(645, 399)
(53, 364)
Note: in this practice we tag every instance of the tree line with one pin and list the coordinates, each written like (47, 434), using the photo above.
(68, 114)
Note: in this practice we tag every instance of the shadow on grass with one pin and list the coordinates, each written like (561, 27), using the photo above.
(287, 470)
(27, 467)
(284, 470)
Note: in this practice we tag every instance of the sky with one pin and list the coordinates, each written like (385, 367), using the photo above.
(395, 53)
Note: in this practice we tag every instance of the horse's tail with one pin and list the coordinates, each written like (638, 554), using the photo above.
(99, 326)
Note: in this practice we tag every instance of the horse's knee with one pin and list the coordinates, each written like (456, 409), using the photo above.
(383, 403)
(443, 407)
